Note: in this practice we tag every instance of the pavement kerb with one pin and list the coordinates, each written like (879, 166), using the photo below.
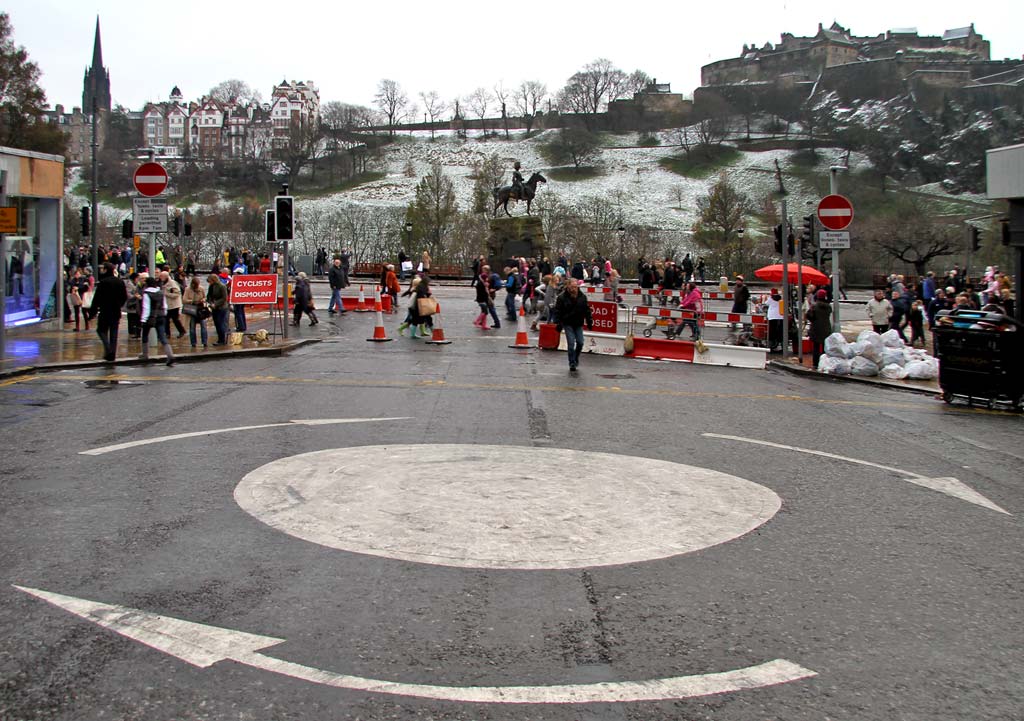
(891, 385)
(279, 349)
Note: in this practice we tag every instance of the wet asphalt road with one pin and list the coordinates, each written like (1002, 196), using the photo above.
(905, 602)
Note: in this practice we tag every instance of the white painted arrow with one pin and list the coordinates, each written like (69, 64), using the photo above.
(949, 486)
(203, 646)
(162, 439)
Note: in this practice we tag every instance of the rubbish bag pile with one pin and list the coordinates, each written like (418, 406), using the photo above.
(884, 355)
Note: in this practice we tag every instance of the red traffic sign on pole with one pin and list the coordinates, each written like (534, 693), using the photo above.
(835, 212)
(150, 179)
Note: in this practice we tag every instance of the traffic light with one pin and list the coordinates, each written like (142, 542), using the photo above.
(127, 228)
(284, 218)
(975, 239)
(778, 238)
(188, 228)
(1004, 224)
(85, 221)
(807, 235)
(791, 243)
(176, 225)
(271, 227)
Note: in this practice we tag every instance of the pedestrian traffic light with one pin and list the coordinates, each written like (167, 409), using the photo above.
(176, 225)
(284, 219)
(127, 228)
(271, 227)
(778, 238)
(975, 239)
(85, 221)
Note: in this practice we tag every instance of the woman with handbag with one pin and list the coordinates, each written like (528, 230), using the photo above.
(418, 289)
(194, 306)
(217, 297)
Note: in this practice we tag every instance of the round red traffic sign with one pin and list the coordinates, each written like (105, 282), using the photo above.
(150, 179)
(835, 212)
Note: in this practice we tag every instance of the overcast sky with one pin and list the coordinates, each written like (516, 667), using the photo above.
(452, 46)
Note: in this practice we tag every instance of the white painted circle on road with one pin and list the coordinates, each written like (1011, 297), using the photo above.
(502, 506)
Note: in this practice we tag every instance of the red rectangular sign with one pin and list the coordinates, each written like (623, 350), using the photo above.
(249, 289)
(606, 316)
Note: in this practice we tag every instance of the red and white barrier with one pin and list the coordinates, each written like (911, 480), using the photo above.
(706, 315)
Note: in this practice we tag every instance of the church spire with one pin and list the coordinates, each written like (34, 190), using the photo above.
(96, 85)
(97, 47)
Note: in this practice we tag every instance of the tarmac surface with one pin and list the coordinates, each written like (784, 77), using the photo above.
(397, 530)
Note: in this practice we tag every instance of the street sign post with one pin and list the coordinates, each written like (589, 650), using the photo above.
(150, 215)
(605, 315)
(835, 212)
(150, 179)
(834, 240)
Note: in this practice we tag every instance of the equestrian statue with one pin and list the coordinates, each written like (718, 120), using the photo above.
(517, 191)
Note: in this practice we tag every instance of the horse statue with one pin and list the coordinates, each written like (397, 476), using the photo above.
(507, 192)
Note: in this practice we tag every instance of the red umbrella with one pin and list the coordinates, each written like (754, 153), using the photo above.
(773, 274)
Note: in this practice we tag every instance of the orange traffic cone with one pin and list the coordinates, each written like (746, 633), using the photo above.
(379, 335)
(437, 334)
(362, 306)
(522, 339)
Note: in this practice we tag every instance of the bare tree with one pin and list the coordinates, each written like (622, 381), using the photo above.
(434, 107)
(528, 97)
(479, 101)
(575, 145)
(233, 92)
(391, 100)
(589, 91)
(916, 237)
(501, 94)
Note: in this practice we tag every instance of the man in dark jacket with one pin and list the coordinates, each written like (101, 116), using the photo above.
(109, 296)
(740, 297)
(336, 277)
(573, 311)
(819, 317)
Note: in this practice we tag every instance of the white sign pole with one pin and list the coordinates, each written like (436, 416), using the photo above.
(833, 189)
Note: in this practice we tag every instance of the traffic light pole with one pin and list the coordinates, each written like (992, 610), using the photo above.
(786, 310)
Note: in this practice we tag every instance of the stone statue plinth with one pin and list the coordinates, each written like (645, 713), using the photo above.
(520, 235)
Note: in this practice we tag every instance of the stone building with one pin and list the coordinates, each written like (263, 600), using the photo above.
(808, 56)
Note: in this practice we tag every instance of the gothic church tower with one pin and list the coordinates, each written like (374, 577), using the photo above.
(97, 80)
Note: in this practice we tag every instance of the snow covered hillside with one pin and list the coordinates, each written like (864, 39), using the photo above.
(631, 177)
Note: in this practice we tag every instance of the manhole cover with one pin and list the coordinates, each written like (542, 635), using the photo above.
(616, 376)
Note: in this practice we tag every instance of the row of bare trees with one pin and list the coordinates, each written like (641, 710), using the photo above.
(522, 101)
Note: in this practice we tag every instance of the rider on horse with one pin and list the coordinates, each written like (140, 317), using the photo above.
(517, 182)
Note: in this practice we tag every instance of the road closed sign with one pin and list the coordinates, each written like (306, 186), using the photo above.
(249, 289)
(605, 315)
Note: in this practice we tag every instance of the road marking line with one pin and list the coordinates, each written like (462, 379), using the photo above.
(448, 385)
(949, 486)
(177, 436)
(203, 645)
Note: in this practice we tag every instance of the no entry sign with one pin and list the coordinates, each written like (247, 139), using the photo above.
(250, 289)
(835, 212)
(606, 316)
(150, 179)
